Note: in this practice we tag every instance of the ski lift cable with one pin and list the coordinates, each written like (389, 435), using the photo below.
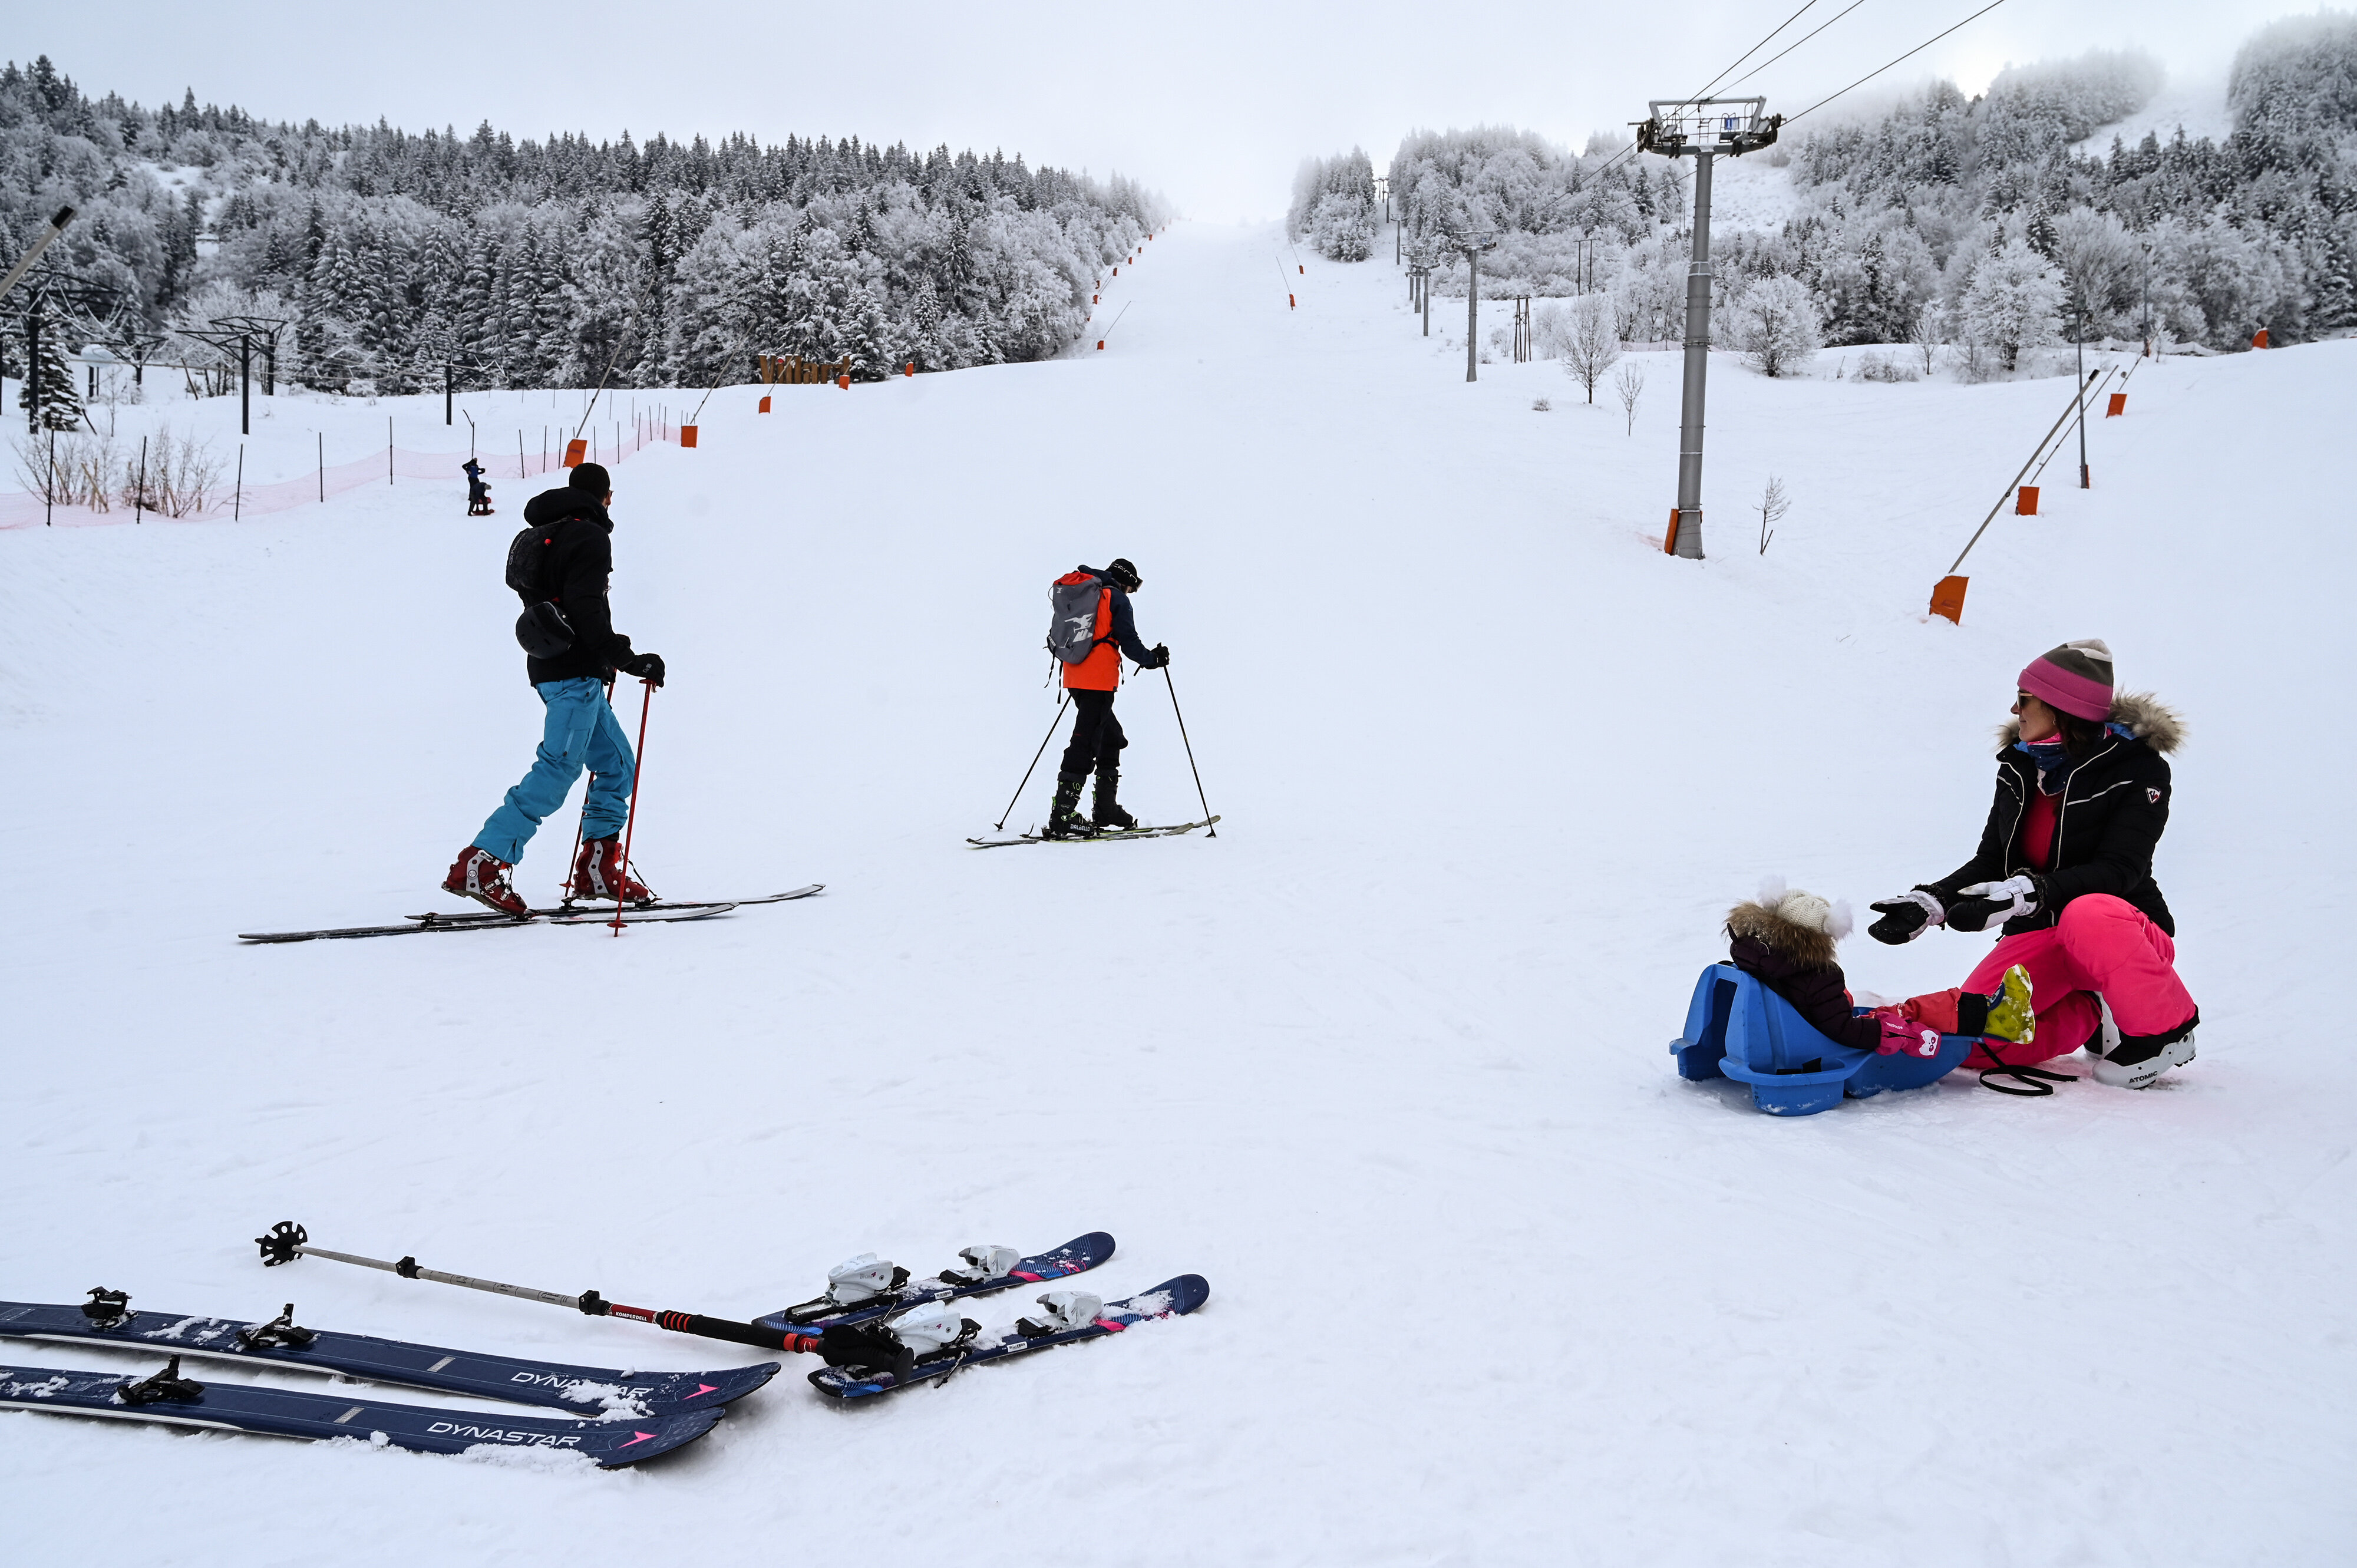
(1630, 151)
(1747, 54)
(1877, 70)
(1788, 49)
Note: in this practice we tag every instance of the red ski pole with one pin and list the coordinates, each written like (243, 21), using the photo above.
(630, 818)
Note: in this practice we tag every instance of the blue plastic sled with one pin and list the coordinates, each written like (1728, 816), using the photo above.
(1737, 1028)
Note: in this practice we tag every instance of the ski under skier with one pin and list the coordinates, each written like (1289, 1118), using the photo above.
(559, 567)
(1092, 627)
(478, 494)
(2065, 863)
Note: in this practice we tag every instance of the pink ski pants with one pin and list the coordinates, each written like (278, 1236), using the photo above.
(2101, 944)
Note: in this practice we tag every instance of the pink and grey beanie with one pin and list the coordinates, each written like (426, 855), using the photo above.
(2075, 678)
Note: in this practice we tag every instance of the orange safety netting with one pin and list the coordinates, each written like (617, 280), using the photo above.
(232, 500)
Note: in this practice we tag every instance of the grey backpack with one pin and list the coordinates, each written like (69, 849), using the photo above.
(1073, 599)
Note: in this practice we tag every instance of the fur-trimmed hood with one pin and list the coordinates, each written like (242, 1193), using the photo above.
(1805, 946)
(2148, 718)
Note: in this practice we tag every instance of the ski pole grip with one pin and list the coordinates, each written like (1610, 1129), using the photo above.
(723, 1328)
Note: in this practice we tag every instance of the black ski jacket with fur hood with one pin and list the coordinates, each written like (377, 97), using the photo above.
(2114, 808)
(1796, 962)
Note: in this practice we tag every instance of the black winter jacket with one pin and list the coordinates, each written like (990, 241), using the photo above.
(1815, 987)
(580, 561)
(2114, 808)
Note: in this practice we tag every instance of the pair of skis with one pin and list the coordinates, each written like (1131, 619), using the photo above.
(627, 1415)
(646, 913)
(1113, 835)
(620, 1417)
(861, 1292)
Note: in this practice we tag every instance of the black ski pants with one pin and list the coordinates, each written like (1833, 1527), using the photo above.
(1097, 739)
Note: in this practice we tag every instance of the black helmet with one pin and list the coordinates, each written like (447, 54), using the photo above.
(1123, 575)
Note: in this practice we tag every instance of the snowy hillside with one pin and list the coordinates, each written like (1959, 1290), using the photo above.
(1385, 1061)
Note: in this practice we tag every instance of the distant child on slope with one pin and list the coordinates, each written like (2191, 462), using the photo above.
(1786, 939)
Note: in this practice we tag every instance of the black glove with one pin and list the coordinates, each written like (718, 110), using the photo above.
(647, 667)
(1906, 917)
(1156, 658)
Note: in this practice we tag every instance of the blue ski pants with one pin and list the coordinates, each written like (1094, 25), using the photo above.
(581, 731)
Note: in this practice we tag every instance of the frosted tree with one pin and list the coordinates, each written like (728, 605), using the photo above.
(1591, 340)
(1775, 325)
(2099, 259)
(2014, 304)
(1334, 207)
(1629, 385)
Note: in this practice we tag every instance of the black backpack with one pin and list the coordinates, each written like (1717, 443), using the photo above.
(541, 630)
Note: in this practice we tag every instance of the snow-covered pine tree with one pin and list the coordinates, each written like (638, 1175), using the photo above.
(51, 399)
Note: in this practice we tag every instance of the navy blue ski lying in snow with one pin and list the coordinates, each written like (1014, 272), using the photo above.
(1076, 1256)
(167, 1396)
(1167, 1299)
(588, 1391)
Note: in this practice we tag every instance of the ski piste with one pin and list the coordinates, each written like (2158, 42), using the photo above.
(167, 1396)
(561, 915)
(1076, 1256)
(1116, 836)
(587, 1391)
(1168, 1299)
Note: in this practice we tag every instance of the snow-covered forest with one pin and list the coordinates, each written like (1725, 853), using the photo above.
(1977, 222)
(1334, 207)
(543, 262)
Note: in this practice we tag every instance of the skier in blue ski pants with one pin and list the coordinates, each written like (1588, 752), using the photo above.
(567, 633)
(581, 730)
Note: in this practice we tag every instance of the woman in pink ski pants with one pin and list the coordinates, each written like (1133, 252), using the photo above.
(2065, 866)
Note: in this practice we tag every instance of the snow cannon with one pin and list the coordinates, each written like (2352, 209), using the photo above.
(1737, 1028)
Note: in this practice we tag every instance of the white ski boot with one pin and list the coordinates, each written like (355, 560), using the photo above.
(1060, 1312)
(2138, 1064)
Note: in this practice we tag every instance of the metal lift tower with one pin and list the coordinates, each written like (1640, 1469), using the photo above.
(1700, 129)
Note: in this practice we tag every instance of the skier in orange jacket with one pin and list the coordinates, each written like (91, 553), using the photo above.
(1097, 739)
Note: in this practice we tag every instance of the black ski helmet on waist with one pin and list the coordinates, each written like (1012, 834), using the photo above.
(1123, 575)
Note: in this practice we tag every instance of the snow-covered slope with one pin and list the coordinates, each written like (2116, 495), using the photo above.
(2196, 104)
(1385, 1060)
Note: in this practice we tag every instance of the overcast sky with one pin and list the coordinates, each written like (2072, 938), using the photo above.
(1213, 102)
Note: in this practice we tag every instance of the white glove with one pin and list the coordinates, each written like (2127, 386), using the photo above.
(2022, 890)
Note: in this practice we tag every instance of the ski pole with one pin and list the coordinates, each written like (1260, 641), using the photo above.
(33, 252)
(581, 820)
(631, 816)
(1190, 752)
(1035, 762)
(287, 1241)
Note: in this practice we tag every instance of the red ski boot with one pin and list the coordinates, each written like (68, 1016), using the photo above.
(600, 875)
(479, 875)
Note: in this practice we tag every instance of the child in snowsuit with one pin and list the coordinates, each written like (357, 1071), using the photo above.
(478, 494)
(1787, 939)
